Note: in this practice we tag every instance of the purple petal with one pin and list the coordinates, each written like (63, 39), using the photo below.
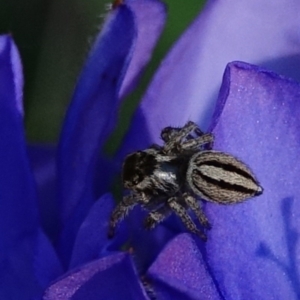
(147, 244)
(253, 247)
(181, 270)
(187, 83)
(17, 69)
(91, 241)
(17, 192)
(27, 267)
(46, 265)
(25, 270)
(91, 117)
(150, 18)
(42, 159)
(111, 277)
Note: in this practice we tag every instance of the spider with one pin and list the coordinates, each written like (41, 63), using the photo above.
(171, 178)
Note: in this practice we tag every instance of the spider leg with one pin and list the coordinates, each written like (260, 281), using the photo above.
(155, 147)
(174, 136)
(185, 218)
(194, 205)
(193, 144)
(121, 210)
(179, 139)
(169, 132)
(156, 216)
(198, 131)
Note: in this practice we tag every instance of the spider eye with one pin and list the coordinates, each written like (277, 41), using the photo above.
(132, 181)
(136, 167)
(137, 179)
(132, 174)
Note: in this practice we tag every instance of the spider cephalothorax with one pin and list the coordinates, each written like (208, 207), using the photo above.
(168, 178)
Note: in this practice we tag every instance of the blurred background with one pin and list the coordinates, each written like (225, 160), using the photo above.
(54, 37)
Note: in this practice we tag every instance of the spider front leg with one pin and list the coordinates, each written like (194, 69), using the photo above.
(174, 134)
(194, 205)
(179, 139)
(157, 216)
(200, 133)
(121, 210)
(185, 218)
(194, 144)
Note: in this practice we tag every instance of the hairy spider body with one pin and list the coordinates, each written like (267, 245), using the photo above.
(168, 178)
(221, 178)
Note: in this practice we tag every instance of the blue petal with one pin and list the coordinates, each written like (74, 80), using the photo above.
(27, 267)
(91, 241)
(17, 192)
(17, 70)
(43, 163)
(146, 244)
(46, 265)
(90, 118)
(112, 277)
(17, 186)
(253, 248)
(180, 272)
(24, 270)
(150, 16)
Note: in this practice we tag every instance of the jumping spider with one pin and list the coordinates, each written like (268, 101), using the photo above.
(170, 178)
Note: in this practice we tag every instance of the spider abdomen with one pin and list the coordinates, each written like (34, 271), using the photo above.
(220, 177)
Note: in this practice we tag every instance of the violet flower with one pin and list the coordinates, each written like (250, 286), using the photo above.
(252, 250)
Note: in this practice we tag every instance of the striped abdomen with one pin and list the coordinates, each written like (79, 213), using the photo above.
(220, 177)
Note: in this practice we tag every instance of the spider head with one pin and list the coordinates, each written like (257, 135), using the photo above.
(168, 133)
(138, 166)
